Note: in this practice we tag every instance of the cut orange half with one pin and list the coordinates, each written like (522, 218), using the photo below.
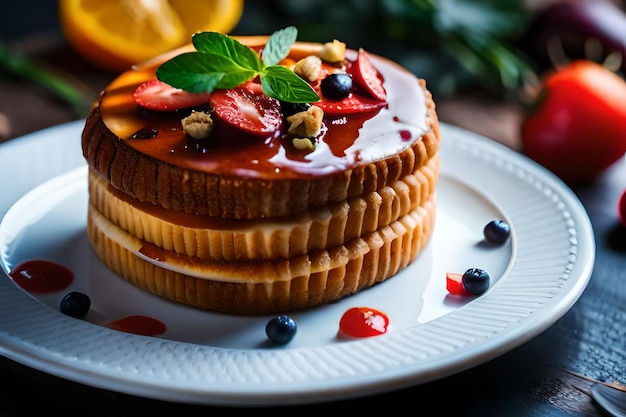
(115, 34)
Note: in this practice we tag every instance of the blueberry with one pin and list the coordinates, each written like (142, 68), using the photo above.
(288, 109)
(75, 304)
(475, 281)
(281, 329)
(497, 232)
(336, 86)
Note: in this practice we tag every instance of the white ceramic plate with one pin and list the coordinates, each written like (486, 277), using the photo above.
(219, 359)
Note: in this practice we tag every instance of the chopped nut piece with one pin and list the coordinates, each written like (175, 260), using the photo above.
(308, 68)
(198, 124)
(334, 51)
(303, 144)
(306, 124)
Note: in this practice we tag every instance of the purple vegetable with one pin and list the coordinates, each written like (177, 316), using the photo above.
(574, 22)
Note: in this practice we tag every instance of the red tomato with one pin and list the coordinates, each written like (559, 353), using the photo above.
(363, 322)
(621, 208)
(578, 127)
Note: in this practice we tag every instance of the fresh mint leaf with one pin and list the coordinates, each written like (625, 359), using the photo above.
(219, 44)
(222, 62)
(198, 72)
(283, 84)
(278, 45)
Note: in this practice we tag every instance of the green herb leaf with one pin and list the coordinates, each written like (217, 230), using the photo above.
(278, 45)
(222, 62)
(199, 72)
(219, 44)
(283, 84)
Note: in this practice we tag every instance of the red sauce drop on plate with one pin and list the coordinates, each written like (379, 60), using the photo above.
(142, 325)
(41, 276)
(405, 134)
(363, 322)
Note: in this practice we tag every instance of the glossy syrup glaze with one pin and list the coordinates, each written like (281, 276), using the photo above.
(40, 276)
(348, 140)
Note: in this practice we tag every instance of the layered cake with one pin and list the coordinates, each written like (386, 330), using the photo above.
(261, 196)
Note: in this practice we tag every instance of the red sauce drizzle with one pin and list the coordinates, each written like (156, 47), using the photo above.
(41, 276)
(141, 325)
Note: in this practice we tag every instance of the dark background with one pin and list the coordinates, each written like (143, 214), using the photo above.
(549, 376)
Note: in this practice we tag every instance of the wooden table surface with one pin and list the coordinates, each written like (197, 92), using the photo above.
(547, 376)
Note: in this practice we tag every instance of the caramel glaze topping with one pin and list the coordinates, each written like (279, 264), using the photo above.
(348, 141)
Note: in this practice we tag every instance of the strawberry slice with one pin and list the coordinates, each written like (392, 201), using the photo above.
(354, 103)
(157, 95)
(454, 284)
(365, 74)
(247, 108)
